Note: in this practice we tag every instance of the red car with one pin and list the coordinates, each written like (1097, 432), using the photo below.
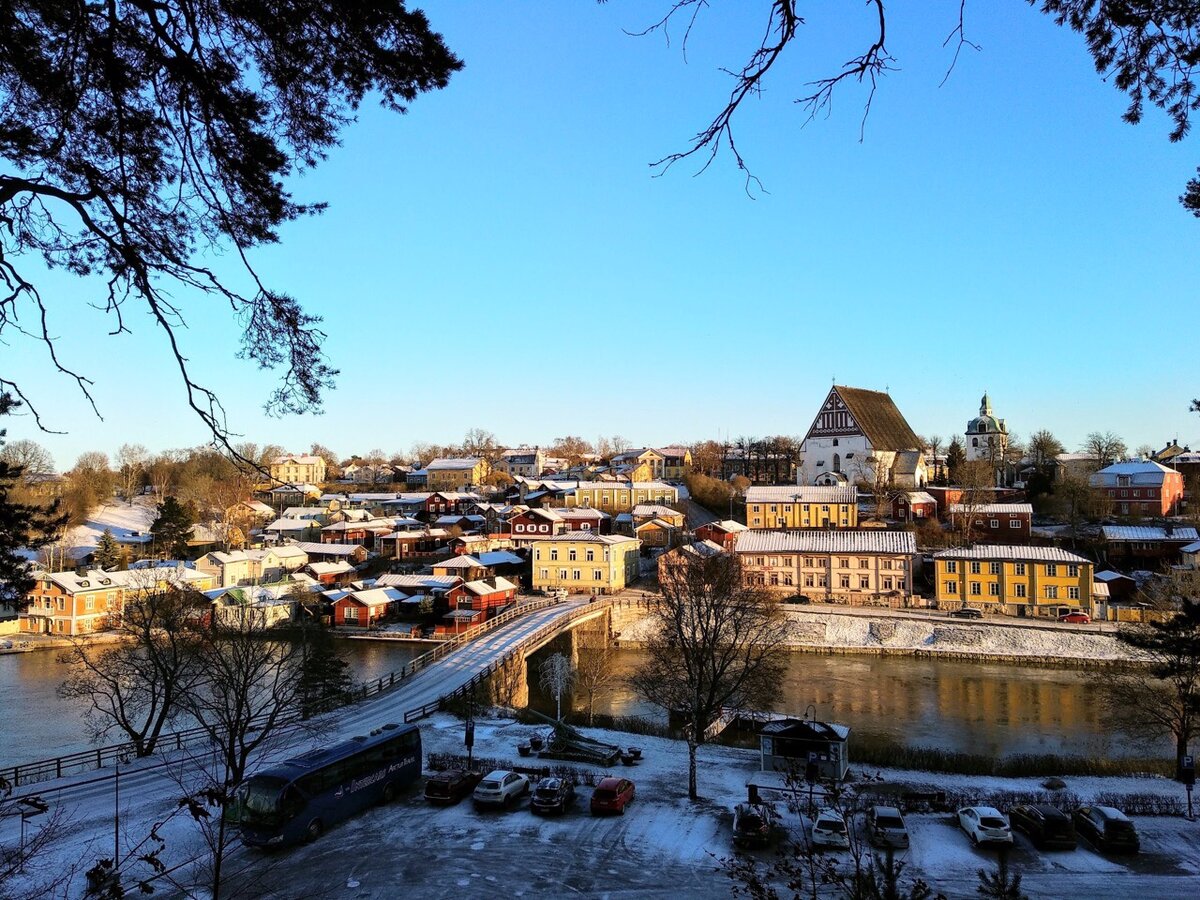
(1078, 618)
(612, 795)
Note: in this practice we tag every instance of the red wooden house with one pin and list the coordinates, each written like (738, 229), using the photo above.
(723, 534)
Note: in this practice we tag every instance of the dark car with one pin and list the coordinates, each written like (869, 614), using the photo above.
(447, 788)
(1047, 826)
(886, 828)
(612, 795)
(797, 598)
(552, 795)
(966, 612)
(753, 825)
(1108, 830)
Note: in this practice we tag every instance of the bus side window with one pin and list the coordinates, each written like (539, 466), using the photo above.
(291, 803)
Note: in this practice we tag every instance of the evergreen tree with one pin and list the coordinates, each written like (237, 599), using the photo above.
(108, 552)
(1001, 884)
(324, 673)
(22, 526)
(956, 458)
(172, 528)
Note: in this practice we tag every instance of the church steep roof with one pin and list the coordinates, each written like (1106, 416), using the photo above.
(879, 418)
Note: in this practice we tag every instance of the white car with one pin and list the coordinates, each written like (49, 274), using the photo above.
(500, 788)
(985, 825)
(829, 830)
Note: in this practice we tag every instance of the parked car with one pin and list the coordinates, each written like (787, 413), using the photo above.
(1048, 827)
(797, 598)
(447, 788)
(754, 824)
(985, 825)
(1107, 829)
(612, 795)
(500, 788)
(552, 795)
(829, 830)
(1078, 618)
(966, 612)
(886, 828)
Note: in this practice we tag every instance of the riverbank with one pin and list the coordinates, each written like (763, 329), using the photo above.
(836, 632)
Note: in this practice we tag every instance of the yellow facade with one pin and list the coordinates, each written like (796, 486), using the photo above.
(298, 470)
(452, 478)
(1010, 584)
(585, 563)
(792, 514)
(618, 497)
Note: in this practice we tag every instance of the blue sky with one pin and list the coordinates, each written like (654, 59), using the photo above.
(502, 256)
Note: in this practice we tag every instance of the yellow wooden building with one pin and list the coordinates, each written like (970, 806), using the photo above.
(584, 562)
(449, 474)
(621, 496)
(1013, 580)
(802, 506)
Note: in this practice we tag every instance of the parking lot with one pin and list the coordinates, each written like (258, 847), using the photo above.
(663, 846)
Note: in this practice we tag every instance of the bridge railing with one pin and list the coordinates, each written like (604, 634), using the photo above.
(99, 757)
(548, 630)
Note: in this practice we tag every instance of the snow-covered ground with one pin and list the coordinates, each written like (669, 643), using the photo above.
(128, 523)
(862, 629)
(665, 845)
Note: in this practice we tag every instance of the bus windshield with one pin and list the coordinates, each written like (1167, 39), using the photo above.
(260, 798)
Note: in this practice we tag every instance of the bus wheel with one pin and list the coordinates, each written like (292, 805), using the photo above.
(389, 792)
(314, 830)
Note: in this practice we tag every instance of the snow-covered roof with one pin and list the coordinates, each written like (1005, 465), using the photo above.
(330, 568)
(419, 581)
(589, 537)
(1136, 471)
(654, 510)
(460, 562)
(581, 512)
(727, 525)
(296, 489)
(1025, 509)
(1011, 552)
(1182, 534)
(801, 493)
(291, 525)
(1110, 576)
(452, 463)
(482, 588)
(301, 460)
(920, 497)
(657, 523)
(499, 558)
(93, 579)
(365, 525)
(1191, 548)
(304, 512)
(375, 596)
(869, 540)
(314, 549)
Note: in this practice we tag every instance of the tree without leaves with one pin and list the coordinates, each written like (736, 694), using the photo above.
(715, 644)
(1106, 446)
(1044, 448)
(1150, 50)
(1164, 698)
(572, 448)
(135, 686)
(140, 135)
(556, 676)
(131, 467)
(595, 674)
(28, 455)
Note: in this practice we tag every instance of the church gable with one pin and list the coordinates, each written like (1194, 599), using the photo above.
(834, 420)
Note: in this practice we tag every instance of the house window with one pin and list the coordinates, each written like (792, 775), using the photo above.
(994, 568)
(886, 564)
(951, 587)
(808, 581)
(864, 563)
(1073, 570)
(575, 575)
(808, 562)
(1019, 590)
(822, 581)
(843, 563)
(351, 614)
(976, 589)
(1072, 593)
(1018, 568)
(1051, 570)
(887, 584)
(775, 579)
(89, 603)
(545, 574)
(554, 554)
(845, 582)
(787, 580)
(976, 568)
(571, 554)
(597, 575)
(590, 554)
(993, 523)
(562, 574)
(864, 582)
(951, 567)
(62, 604)
(1014, 523)
(1051, 592)
(994, 589)
(754, 508)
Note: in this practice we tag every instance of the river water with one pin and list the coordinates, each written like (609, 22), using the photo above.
(953, 704)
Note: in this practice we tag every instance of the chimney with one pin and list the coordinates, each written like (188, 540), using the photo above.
(81, 570)
(1170, 529)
